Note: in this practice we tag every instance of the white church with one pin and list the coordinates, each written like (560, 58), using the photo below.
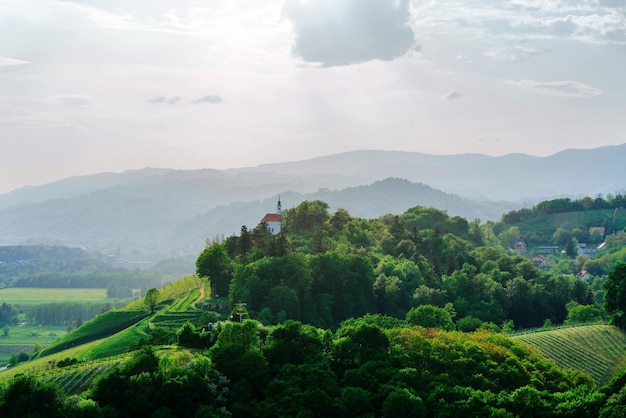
(274, 220)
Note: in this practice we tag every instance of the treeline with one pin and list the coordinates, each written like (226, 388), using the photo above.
(563, 205)
(8, 315)
(15, 253)
(325, 268)
(66, 267)
(134, 279)
(65, 313)
(371, 366)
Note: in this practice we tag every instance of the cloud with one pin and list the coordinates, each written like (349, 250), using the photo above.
(588, 21)
(6, 62)
(453, 95)
(72, 100)
(566, 88)
(166, 100)
(343, 32)
(513, 54)
(209, 99)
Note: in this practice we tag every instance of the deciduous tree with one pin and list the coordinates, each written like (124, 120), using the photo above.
(151, 300)
(615, 297)
(214, 263)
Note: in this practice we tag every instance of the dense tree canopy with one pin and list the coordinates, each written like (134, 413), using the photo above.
(372, 366)
(325, 268)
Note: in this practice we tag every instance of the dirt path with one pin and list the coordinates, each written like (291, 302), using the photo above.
(201, 297)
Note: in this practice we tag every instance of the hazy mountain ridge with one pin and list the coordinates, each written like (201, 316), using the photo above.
(178, 209)
(117, 217)
(512, 177)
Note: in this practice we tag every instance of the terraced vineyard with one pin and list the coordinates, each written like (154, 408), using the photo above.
(77, 378)
(599, 350)
(176, 319)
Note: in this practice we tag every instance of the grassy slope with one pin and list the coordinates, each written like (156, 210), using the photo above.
(120, 343)
(599, 350)
(40, 365)
(104, 325)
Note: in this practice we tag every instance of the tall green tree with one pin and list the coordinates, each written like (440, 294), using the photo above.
(430, 316)
(26, 396)
(571, 247)
(615, 296)
(214, 263)
(151, 300)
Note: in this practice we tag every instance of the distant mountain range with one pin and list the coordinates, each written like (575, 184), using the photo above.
(166, 211)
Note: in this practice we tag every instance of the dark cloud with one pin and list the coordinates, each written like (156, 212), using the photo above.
(209, 99)
(612, 3)
(162, 99)
(343, 32)
(453, 95)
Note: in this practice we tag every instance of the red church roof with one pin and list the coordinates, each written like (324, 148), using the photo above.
(272, 217)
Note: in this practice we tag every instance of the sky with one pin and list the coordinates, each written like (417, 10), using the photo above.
(110, 85)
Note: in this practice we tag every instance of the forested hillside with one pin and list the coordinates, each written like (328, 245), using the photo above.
(324, 268)
(586, 234)
(335, 315)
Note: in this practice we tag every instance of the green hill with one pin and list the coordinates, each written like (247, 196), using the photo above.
(124, 327)
(104, 325)
(599, 350)
(115, 332)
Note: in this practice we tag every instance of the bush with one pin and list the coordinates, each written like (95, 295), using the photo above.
(469, 324)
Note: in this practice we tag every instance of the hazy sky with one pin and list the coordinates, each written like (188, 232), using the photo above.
(108, 85)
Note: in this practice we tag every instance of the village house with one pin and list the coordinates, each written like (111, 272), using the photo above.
(520, 247)
(539, 261)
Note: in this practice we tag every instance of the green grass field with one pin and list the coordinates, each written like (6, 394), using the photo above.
(599, 350)
(35, 295)
(25, 337)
